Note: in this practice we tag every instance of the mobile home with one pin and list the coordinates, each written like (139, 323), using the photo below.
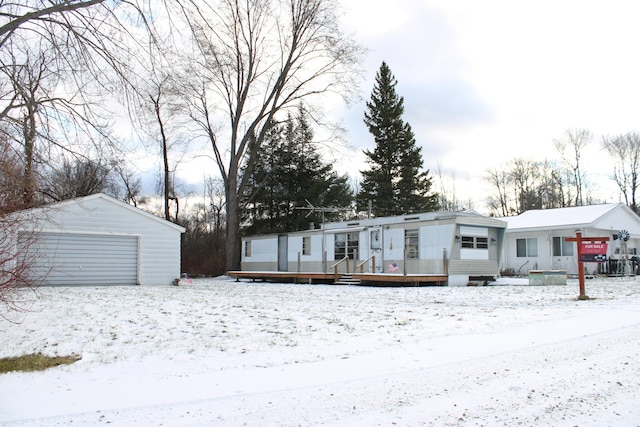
(463, 246)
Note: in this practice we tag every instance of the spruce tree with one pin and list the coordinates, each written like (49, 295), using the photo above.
(394, 184)
(290, 173)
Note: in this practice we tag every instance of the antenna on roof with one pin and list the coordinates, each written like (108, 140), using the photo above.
(322, 210)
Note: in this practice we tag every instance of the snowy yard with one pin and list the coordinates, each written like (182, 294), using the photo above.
(219, 352)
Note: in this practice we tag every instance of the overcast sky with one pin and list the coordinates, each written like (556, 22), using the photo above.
(486, 82)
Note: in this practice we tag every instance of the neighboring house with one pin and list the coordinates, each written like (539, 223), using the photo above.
(98, 240)
(535, 240)
(464, 246)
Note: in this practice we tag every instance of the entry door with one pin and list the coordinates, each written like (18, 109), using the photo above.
(283, 249)
(375, 247)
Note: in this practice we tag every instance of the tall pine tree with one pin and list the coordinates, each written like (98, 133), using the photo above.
(290, 173)
(395, 183)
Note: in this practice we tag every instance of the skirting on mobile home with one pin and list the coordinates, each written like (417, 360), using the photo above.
(456, 248)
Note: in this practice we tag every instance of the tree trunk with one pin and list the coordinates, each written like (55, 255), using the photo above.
(233, 225)
(165, 159)
(29, 132)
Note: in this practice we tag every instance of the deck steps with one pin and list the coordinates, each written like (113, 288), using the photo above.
(347, 279)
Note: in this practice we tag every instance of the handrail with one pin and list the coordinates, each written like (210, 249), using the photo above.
(346, 258)
(335, 267)
(373, 264)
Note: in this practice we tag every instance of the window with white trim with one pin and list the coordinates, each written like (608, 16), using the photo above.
(475, 242)
(527, 247)
(306, 245)
(561, 247)
(247, 248)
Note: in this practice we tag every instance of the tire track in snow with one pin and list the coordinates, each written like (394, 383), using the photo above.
(515, 377)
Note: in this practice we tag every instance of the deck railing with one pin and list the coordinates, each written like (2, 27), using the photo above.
(337, 264)
(372, 258)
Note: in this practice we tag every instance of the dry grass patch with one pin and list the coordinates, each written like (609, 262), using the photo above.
(34, 362)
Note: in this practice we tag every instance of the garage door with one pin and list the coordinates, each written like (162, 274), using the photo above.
(81, 259)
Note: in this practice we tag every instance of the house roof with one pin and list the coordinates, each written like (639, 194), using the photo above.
(464, 217)
(109, 199)
(561, 217)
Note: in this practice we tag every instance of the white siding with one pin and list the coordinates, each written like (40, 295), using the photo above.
(262, 250)
(433, 239)
(522, 265)
(618, 219)
(159, 247)
(393, 244)
(473, 231)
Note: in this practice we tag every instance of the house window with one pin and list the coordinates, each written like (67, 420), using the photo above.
(411, 240)
(467, 242)
(247, 248)
(561, 247)
(306, 245)
(475, 242)
(527, 247)
(346, 244)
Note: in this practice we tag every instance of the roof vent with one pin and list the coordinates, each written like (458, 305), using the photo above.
(412, 218)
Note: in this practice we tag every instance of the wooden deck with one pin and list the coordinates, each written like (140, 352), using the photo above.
(365, 279)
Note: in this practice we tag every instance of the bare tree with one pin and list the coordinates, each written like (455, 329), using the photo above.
(571, 146)
(78, 178)
(257, 59)
(129, 185)
(60, 60)
(524, 184)
(10, 178)
(499, 203)
(447, 198)
(203, 242)
(624, 150)
(158, 94)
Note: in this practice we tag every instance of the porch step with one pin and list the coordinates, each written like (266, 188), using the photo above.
(347, 279)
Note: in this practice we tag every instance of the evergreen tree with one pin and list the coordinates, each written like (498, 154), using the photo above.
(290, 173)
(394, 183)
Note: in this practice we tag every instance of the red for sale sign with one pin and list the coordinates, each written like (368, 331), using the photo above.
(593, 252)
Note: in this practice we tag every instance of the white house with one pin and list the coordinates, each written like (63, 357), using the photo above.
(462, 246)
(98, 240)
(535, 239)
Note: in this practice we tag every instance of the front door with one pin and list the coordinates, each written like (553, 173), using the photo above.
(375, 247)
(283, 249)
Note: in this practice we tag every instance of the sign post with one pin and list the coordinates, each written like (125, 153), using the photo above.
(590, 249)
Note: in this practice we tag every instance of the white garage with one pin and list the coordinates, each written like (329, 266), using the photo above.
(98, 240)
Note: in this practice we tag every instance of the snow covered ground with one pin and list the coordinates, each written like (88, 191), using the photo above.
(225, 353)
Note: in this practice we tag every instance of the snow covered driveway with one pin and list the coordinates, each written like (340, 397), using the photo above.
(218, 352)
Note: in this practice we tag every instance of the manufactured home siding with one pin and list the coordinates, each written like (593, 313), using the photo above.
(473, 267)
(435, 239)
(263, 254)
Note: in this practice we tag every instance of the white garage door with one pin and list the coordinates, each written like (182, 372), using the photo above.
(81, 259)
